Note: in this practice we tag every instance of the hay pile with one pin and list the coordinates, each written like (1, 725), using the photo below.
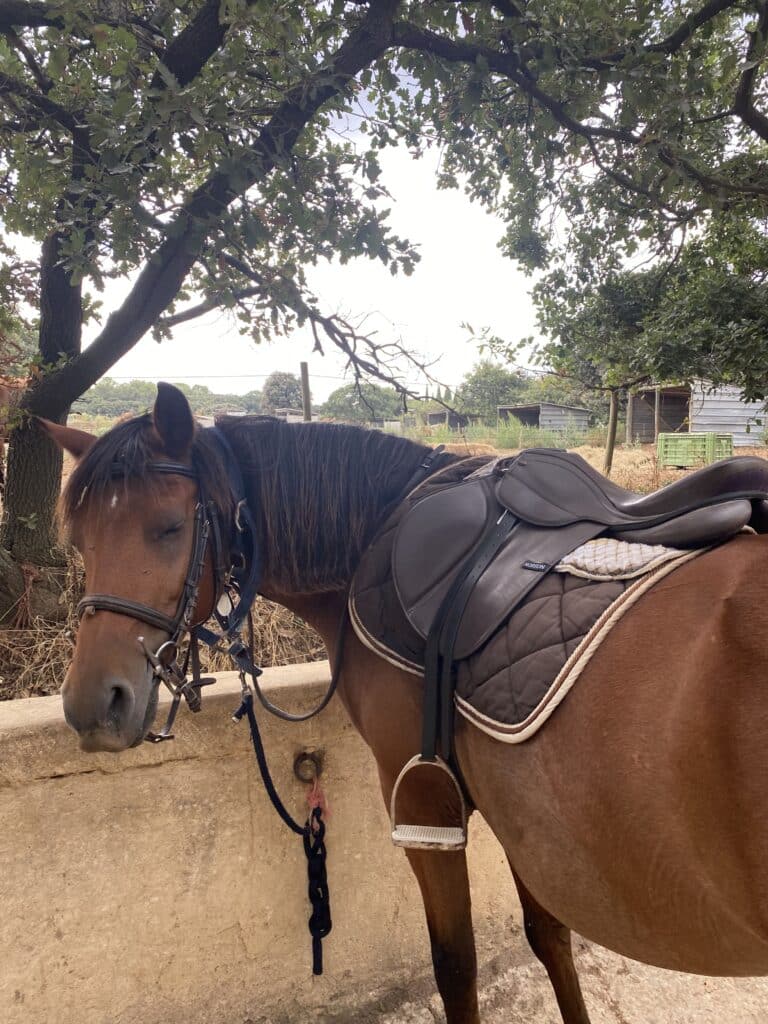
(34, 655)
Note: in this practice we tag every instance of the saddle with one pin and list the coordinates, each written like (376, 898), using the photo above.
(465, 556)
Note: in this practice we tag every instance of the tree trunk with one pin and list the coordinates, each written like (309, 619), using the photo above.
(610, 444)
(33, 480)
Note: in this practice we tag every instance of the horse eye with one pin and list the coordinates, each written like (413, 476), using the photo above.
(171, 530)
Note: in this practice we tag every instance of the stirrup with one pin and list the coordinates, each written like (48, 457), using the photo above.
(428, 837)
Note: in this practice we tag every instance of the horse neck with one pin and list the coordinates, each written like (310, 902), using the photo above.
(318, 494)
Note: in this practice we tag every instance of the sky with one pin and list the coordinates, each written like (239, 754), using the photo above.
(462, 277)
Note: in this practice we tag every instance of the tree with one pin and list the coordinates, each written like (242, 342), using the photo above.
(487, 387)
(364, 403)
(281, 391)
(191, 146)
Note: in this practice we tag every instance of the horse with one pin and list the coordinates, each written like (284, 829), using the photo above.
(635, 817)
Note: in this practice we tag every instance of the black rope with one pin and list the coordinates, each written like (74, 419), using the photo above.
(313, 834)
(246, 710)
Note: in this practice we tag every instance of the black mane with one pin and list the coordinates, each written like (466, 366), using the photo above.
(317, 490)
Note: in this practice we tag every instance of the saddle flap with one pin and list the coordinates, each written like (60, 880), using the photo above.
(432, 542)
(439, 533)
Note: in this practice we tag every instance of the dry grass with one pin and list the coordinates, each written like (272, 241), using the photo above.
(34, 659)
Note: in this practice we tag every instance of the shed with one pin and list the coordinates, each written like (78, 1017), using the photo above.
(547, 416)
(289, 415)
(674, 413)
(698, 409)
(723, 412)
(455, 420)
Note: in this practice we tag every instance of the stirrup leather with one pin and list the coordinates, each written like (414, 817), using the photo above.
(428, 837)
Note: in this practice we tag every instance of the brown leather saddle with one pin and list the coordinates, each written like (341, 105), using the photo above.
(466, 555)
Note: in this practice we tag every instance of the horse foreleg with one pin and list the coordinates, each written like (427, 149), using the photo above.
(551, 942)
(444, 885)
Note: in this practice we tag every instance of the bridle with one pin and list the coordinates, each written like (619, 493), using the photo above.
(236, 577)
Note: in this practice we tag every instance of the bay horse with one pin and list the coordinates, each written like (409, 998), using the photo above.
(636, 816)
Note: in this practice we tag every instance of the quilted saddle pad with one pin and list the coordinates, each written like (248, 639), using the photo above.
(515, 680)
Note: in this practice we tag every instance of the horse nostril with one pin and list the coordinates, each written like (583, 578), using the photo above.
(120, 705)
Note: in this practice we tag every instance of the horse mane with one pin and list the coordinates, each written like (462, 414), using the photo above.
(317, 490)
(133, 445)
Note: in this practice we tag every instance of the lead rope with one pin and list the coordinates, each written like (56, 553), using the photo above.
(313, 830)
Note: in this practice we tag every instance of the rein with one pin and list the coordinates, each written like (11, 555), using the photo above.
(237, 577)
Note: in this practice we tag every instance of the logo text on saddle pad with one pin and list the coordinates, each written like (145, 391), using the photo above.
(537, 566)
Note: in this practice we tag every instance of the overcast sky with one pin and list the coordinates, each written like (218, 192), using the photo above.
(462, 276)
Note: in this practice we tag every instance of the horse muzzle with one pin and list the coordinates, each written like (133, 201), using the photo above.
(109, 716)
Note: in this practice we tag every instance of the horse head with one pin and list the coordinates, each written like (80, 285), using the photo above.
(132, 507)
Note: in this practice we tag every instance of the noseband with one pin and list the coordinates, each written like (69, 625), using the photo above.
(236, 574)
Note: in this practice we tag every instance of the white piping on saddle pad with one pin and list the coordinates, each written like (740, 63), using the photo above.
(609, 559)
(578, 661)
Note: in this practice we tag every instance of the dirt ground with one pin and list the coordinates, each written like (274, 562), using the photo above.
(616, 991)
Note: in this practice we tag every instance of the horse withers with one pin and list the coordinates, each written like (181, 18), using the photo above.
(635, 817)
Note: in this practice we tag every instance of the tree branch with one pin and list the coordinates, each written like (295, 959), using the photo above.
(27, 14)
(166, 269)
(744, 105)
(13, 86)
(206, 306)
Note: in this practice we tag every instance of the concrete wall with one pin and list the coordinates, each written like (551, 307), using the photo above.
(159, 886)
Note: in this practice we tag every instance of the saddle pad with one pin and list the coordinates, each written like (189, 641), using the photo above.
(609, 559)
(513, 683)
(511, 687)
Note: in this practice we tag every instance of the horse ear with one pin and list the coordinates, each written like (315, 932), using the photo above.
(76, 442)
(173, 420)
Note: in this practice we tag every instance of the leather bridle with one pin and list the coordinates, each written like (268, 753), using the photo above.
(236, 575)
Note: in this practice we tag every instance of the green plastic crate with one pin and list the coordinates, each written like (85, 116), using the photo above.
(684, 450)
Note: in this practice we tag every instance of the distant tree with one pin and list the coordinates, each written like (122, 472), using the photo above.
(488, 386)
(447, 395)
(252, 401)
(363, 403)
(281, 391)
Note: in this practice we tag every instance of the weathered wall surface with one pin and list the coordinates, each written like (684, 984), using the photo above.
(158, 886)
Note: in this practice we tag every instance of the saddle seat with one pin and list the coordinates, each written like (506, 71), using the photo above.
(549, 487)
(554, 501)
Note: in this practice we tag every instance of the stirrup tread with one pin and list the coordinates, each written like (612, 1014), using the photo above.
(429, 837)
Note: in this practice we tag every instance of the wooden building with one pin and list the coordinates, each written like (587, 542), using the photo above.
(547, 416)
(454, 420)
(697, 409)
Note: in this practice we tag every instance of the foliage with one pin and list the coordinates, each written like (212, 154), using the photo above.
(712, 319)
(281, 391)
(630, 123)
(703, 315)
(112, 398)
(364, 403)
(488, 386)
